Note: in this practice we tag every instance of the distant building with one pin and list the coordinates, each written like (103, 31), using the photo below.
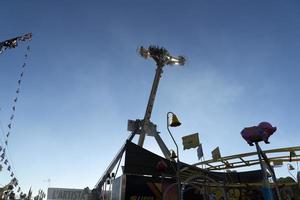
(67, 194)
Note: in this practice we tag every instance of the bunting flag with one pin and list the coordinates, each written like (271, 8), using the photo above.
(16, 183)
(13, 181)
(13, 43)
(2, 156)
(199, 151)
(16, 98)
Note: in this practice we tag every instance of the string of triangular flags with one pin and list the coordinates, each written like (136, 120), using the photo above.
(3, 153)
(13, 43)
(13, 110)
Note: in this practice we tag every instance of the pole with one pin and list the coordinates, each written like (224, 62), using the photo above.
(266, 185)
(177, 163)
(271, 170)
(159, 71)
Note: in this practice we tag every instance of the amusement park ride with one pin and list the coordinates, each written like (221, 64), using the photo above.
(142, 127)
(141, 166)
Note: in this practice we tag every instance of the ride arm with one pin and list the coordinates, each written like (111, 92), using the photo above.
(150, 104)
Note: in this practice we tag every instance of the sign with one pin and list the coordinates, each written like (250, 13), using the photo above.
(190, 141)
(216, 154)
(66, 194)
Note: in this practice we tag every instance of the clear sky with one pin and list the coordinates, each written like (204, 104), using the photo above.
(84, 79)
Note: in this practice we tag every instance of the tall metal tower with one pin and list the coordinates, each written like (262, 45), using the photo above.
(144, 126)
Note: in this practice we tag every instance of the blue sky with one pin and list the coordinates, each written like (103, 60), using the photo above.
(84, 79)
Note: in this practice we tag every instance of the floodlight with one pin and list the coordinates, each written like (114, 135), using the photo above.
(161, 56)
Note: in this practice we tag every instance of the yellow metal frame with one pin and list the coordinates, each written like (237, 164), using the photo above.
(287, 154)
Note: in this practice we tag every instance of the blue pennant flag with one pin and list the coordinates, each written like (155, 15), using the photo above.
(199, 151)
